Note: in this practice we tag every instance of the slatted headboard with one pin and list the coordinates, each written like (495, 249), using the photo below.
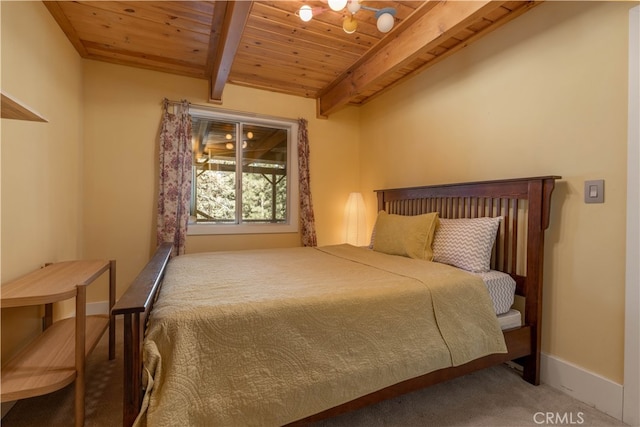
(519, 249)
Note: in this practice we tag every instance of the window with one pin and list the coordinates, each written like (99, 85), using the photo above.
(244, 174)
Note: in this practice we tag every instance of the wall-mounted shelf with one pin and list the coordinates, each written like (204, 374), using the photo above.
(12, 109)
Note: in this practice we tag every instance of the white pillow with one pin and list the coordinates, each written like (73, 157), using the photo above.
(466, 242)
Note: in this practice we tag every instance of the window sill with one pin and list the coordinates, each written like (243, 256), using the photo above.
(212, 229)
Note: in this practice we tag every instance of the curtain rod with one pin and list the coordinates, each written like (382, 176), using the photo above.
(169, 101)
(231, 112)
(166, 101)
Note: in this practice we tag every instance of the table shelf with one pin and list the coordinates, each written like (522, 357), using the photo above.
(48, 363)
(56, 357)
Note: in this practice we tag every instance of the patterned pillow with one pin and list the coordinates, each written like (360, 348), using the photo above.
(466, 242)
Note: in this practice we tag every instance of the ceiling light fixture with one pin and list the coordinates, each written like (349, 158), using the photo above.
(385, 17)
(306, 12)
(337, 5)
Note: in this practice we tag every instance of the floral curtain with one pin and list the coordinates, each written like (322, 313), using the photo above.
(175, 175)
(307, 221)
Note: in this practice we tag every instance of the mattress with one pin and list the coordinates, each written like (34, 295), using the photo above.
(510, 319)
(502, 289)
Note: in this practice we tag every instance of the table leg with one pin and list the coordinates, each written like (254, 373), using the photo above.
(112, 301)
(81, 311)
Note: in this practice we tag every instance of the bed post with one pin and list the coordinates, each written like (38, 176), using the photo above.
(539, 212)
(132, 392)
(380, 201)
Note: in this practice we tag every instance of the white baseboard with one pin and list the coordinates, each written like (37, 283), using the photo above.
(588, 387)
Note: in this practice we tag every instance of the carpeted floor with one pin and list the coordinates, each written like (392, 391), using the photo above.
(494, 397)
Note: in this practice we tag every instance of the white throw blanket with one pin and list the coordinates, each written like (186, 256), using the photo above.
(266, 337)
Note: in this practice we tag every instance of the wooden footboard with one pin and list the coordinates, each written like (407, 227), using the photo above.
(135, 305)
(519, 251)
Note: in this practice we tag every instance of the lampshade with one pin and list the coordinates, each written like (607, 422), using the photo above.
(353, 6)
(337, 5)
(385, 22)
(349, 25)
(305, 13)
(355, 220)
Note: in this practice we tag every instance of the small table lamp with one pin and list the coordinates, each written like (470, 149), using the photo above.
(355, 220)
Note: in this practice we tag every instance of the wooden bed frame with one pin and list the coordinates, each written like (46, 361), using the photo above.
(519, 251)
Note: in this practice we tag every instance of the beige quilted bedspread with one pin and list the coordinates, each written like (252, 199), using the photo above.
(267, 337)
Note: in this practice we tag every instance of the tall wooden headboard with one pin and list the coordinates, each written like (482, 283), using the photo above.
(524, 203)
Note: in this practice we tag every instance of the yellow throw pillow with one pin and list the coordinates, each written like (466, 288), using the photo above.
(409, 236)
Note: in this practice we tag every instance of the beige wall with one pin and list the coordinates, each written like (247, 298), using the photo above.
(122, 109)
(41, 162)
(543, 95)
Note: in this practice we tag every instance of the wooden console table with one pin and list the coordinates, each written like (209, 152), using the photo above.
(52, 361)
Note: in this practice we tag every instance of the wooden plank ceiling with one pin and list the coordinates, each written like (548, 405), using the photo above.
(265, 45)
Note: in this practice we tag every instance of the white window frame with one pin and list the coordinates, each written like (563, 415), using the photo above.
(291, 225)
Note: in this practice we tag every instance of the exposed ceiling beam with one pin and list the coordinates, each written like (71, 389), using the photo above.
(421, 35)
(230, 17)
